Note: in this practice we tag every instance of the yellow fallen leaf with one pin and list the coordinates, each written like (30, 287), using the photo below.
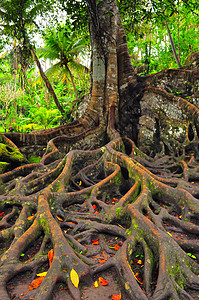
(42, 274)
(30, 218)
(96, 284)
(80, 183)
(74, 278)
(169, 233)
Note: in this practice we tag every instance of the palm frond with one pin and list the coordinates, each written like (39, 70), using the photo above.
(47, 53)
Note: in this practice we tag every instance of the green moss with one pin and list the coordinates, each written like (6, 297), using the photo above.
(44, 224)
(118, 212)
(8, 154)
(177, 275)
(128, 231)
(3, 166)
(34, 159)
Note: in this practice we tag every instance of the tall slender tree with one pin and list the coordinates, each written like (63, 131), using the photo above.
(65, 45)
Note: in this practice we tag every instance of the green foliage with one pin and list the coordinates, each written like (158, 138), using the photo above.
(64, 45)
(8, 104)
(145, 25)
(45, 117)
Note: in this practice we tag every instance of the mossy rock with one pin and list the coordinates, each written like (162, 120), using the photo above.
(10, 154)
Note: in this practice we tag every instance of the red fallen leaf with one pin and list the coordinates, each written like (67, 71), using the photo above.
(94, 206)
(95, 242)
(35, 283)
(1, 213)
(102, 281)
(50, 256)
(116, 247)
(114, 199)
(116, 297)
(59, 219)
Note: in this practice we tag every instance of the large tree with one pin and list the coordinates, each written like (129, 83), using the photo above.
(96, 200)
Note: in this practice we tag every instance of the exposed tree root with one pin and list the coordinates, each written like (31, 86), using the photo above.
(80, 205)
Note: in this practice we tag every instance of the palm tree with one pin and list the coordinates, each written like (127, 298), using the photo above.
(64, 45)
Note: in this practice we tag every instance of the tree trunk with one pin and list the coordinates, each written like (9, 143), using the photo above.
(47, 82)
(173, 46)
(105, 207)
(72, 80)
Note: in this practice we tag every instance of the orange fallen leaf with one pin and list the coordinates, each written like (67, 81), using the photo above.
(102, 281)
(114, 199)
(35, 283)
(59, 219)
(115, 247)
(50, 256)
(94, 206)
(116, 297)
(30, 218)
(96, 212)
(95, 242)
(101, 261)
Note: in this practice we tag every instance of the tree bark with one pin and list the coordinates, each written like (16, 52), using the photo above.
(173, 46)
(107, 209)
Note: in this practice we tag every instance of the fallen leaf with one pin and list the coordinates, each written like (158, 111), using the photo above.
(96, 212)
(169, 233)
(30, 218)
(96, 284)
(102, 281)
(80, 183)
(50, 256)
(101, 261)
(35, 283)
(191, 255)
(94, 206)
(59, 219)
(1, 213)
(42, 274)
(114, 199)
(74, 278)
(95, 242)
(116, 297)
(115, 247)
